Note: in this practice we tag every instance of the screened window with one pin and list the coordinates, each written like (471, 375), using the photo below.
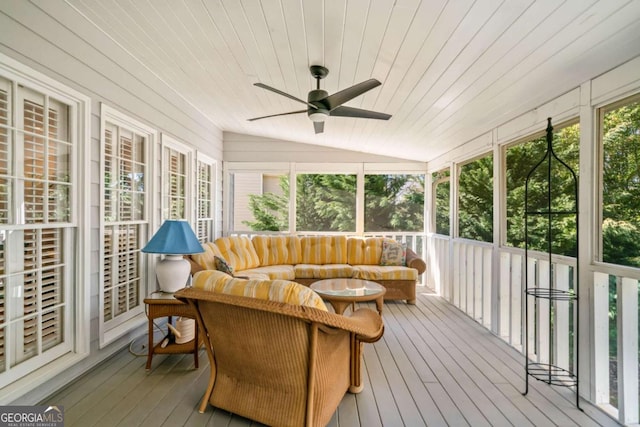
(620, 140)
(326, 202)
(520, 159)
(205, 199)
(475, 199)
(126, 144)
(393, 202)
(37, 183)
(441, 184)
(260, 201)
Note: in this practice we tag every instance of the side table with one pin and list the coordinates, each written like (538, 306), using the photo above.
(162, 304)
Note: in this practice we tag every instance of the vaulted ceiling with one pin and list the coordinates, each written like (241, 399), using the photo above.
(450, 70)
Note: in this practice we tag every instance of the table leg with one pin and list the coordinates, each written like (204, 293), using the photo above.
(150, 348)
(339, 306)
(379, 304)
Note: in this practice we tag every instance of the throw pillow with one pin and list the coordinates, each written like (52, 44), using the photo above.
(222, 265)
(393, 253)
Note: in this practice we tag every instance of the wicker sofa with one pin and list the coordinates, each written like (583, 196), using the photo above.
(278, 363)
(306, 259)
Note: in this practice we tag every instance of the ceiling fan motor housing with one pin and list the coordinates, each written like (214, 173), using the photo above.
(322, 112)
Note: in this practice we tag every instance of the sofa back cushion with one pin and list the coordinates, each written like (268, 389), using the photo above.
(238, 252)
(271, 290)
(324, 249)
(277, 250)
(364, 251)
(206, 259)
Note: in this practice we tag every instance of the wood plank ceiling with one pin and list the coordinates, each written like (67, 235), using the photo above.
(450, 70)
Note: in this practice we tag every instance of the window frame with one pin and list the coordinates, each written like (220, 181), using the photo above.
(213, 164)
(111, 330)
(22, 378)
(169, 142)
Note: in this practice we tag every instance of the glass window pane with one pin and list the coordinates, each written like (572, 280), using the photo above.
(260, 202)
(620, 130)
(475, 200)
(393, 202)
(441, 193)
(326, 202)
(520, 160)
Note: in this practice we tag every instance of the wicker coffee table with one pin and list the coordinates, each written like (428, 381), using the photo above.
(341, 293)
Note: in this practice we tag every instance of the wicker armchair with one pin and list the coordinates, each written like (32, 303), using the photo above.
(276, 363)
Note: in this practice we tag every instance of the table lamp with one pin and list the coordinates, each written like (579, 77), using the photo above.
(174, 239)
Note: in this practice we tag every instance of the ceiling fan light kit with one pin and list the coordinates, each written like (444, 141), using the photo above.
(321, 105)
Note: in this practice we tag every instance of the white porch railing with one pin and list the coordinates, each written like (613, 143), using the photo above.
(463, 273)
(616, 355)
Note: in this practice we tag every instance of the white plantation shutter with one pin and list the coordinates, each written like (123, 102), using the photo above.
(5, 153)
(125, 165)
(34, 269)
(175, 183)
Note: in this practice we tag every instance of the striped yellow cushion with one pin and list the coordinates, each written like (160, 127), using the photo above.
(272, 290)
(364, 251)
(238, 252)
(327, 271)
(206, 259)
(282, 272)
(324, 250)
(277, 250)
(378, 272)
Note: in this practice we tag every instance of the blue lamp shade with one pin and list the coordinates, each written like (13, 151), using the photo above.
(174, 238)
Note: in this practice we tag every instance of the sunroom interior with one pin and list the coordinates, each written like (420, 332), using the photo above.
(118, 115)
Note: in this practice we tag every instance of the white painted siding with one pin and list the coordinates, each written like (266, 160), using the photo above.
(37, 36)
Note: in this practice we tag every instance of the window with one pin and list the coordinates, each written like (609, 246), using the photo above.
(40, 261)
(326, 202)
(441, 184)
(475, 199)
(126, 146)
(393, 202)
(260, 201)
(520, 159)
(205, 191)
(176, 170)
(620, 162)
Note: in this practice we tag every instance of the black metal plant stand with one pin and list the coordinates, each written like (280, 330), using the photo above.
(548, 372)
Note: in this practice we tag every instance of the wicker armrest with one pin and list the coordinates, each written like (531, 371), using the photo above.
(370, 324)
(414, 261)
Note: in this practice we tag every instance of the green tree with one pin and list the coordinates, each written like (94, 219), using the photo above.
(270, 210)
(621, 185)
(442, 189)
(521, 159)
(394, 202)
(475, 200)
(326, 202)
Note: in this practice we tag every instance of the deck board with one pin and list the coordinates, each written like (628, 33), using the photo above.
(434, 366)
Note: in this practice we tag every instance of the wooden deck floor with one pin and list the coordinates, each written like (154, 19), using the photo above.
(434, 366)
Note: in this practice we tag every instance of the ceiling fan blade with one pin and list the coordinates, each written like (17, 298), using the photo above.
(358, 113)
(318, 127)
(275, 115)
(279, 92)
(339, 98)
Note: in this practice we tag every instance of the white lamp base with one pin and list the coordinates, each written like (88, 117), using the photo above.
(172, 273)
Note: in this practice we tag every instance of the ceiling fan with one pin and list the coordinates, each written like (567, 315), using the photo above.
(321, 105)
